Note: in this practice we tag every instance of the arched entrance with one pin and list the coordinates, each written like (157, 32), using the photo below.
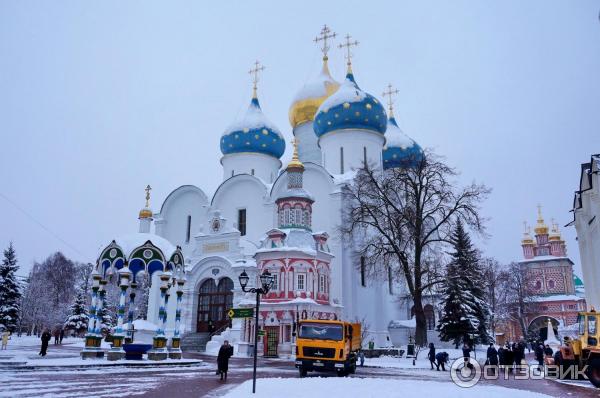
(538, 328)
(214, 300)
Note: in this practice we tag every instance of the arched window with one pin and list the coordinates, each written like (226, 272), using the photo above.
(298, 217)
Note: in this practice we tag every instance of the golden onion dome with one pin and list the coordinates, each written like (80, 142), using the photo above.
(311, 96)
(540, 228)
(555, 233)
(527, 239)
(146, 212)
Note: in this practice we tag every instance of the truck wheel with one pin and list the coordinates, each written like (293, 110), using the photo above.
(302, 372)
(593, 372)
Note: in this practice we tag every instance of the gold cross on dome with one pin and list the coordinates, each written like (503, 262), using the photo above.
(326, 34)
(390, 94)
(255, 71)
(148, 189)
(348, 44)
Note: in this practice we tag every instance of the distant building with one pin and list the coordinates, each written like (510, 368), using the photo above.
(556, 293)
(586, 209)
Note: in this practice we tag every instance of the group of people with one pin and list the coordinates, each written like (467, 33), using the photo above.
(509, 356)
(437, 359)
(59, 335)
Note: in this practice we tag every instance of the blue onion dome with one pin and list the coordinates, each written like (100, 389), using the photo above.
(253, 133)
(350, 108)
(400, 150)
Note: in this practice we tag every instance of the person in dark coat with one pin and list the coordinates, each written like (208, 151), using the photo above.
(508, 357)
(548, 351)
(539, 356)
(225, 352)
(61, 336)
(46, 336)
(492, 355)
(466, 349)
(501, 359)
(441, 359)
(517, 356)
(431, 355)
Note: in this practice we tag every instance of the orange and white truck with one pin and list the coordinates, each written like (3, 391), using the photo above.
(327, 346)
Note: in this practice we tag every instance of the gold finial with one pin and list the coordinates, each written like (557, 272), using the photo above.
(525, 228)
(540, 218)
(390, 93)
(325, 34)
(541, 228)
(295, 162)
(348, 44)
(255, 71)
(146, 212)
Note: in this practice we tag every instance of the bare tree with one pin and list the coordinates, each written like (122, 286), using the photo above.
(519, 299)
(365, 328)
(495, 276)
(402, 217)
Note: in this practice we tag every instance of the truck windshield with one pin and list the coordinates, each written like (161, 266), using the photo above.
(321, 331)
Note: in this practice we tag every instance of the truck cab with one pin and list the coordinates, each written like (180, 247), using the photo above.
(327, 346)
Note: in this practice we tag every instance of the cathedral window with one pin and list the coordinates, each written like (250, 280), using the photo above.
(232, 171)
(341, 160)
(242, 221)
(551, 284)
(390, 281)
(298, 216)
(252, 171)
(429, 316)
(365, 156)
(188, 229)
(363, 281)
(322, 282)
(300, 281)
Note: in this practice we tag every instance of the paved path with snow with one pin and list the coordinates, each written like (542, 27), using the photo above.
(200, 381)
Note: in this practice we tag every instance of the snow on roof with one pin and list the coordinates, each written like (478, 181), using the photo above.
(545, 258)
(254, 118)
(348, 92)
(395, 137)
(403, 323)
(141, 324)
(557, 297)
(317, 87)
(131, 241)
(344, 178)
(245, 262)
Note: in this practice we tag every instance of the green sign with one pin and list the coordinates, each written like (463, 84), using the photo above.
(261, 332)
(241, 313)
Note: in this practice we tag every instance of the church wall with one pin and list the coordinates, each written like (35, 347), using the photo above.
(257, 164)
(308, 147)
(246, 192)
(184, 202)
(353, 143)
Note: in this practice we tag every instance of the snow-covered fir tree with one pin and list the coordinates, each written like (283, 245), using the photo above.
(143, 294)
(10, 290)
(465, 310)
(78, 318)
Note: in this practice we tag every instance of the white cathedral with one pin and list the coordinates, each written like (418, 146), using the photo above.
(286, 219)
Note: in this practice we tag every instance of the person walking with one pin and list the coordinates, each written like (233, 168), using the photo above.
(431, 355)
(56, 334)
(509, 357)
(361, 357)
(548, 351)
(466, 349)
(492, 355)
(5, 337)
(61, 336)
(539, 356)
(517, 356)
(225, 352)
(441, 359)
(45, 340)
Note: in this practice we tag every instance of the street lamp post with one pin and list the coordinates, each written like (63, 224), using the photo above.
(266, 281)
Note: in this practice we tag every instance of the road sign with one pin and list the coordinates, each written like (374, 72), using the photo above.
(241, 313)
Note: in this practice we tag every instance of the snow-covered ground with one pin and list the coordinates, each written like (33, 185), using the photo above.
(316, 387)
(421, 363)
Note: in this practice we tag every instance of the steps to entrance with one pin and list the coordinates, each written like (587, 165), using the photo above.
(194, 341)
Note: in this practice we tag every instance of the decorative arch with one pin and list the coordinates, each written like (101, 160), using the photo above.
(111, 258)
(222, 189)
(538, 327)
(148, 258)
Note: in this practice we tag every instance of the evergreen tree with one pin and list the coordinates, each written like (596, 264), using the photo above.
(465, 310)
(106, 318)
(142, 297)
(10, 290)
(78, 318)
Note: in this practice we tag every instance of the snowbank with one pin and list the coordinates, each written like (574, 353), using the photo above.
(316, 387)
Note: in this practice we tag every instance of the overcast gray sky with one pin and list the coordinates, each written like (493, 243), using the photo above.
(99, 99)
